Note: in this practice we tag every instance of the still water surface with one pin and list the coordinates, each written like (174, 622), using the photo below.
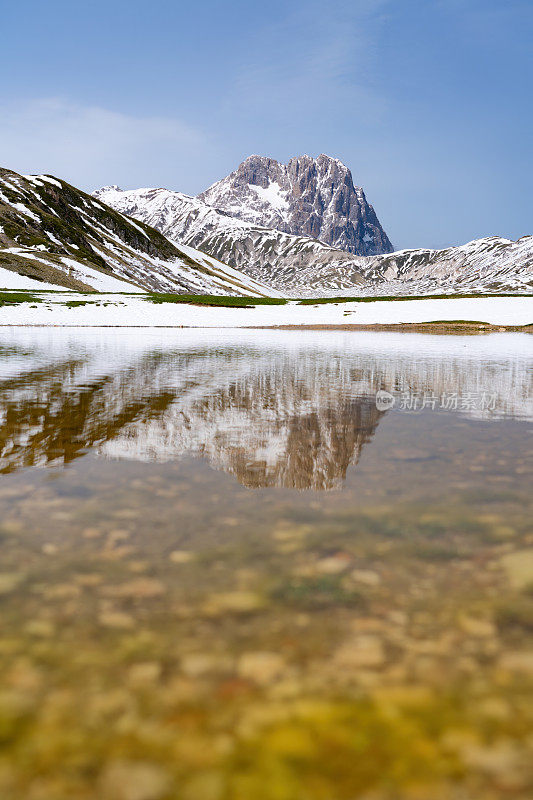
(228, 575)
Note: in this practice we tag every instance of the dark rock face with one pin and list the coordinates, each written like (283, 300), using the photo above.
(308, 196)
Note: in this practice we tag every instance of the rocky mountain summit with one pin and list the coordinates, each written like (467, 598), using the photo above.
(313, 197)
(304, 229)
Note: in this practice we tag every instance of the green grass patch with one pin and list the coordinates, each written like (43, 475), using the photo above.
(213, 300)
(316, 301)
(14, 298)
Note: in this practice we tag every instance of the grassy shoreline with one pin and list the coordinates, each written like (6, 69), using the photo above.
(20, 308)
(13, 296)
(314, 301)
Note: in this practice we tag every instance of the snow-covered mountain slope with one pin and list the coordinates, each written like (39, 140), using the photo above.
(52, 234)
(491, 264)
(313, 197)
(288, 263)
(301, 266)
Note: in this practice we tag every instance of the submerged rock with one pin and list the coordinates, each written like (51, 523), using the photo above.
(130, 780)
(360, 651)
(519, 568)
(261, 667)
(238, 602)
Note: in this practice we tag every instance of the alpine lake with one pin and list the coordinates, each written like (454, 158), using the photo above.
(265, 565)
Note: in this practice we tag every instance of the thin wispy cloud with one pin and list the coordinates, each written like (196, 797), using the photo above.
(425, 100)
(311, 57)
(89, 145)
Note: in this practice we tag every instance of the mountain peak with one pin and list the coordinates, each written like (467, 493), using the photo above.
(308, 196)
(322, 160)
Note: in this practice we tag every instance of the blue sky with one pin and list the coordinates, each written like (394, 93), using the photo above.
(427, 101)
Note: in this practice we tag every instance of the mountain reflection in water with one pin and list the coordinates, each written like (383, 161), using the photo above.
(272, 410)
(168, 634)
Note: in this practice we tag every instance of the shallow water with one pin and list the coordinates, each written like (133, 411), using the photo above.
(227, 574)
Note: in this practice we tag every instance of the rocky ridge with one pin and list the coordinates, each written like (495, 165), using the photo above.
(491, 264)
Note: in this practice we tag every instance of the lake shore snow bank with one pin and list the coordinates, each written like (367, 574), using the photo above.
(114, 310)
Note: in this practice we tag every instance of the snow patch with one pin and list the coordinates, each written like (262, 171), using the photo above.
(97, 280)
(46, 179)
(53, 238)
(273, 194)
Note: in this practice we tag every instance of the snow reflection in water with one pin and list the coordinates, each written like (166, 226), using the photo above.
(274, 410)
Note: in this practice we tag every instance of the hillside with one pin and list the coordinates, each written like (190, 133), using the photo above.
(490, 264)
(54, 235)
(286, 262)
(301, 266)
